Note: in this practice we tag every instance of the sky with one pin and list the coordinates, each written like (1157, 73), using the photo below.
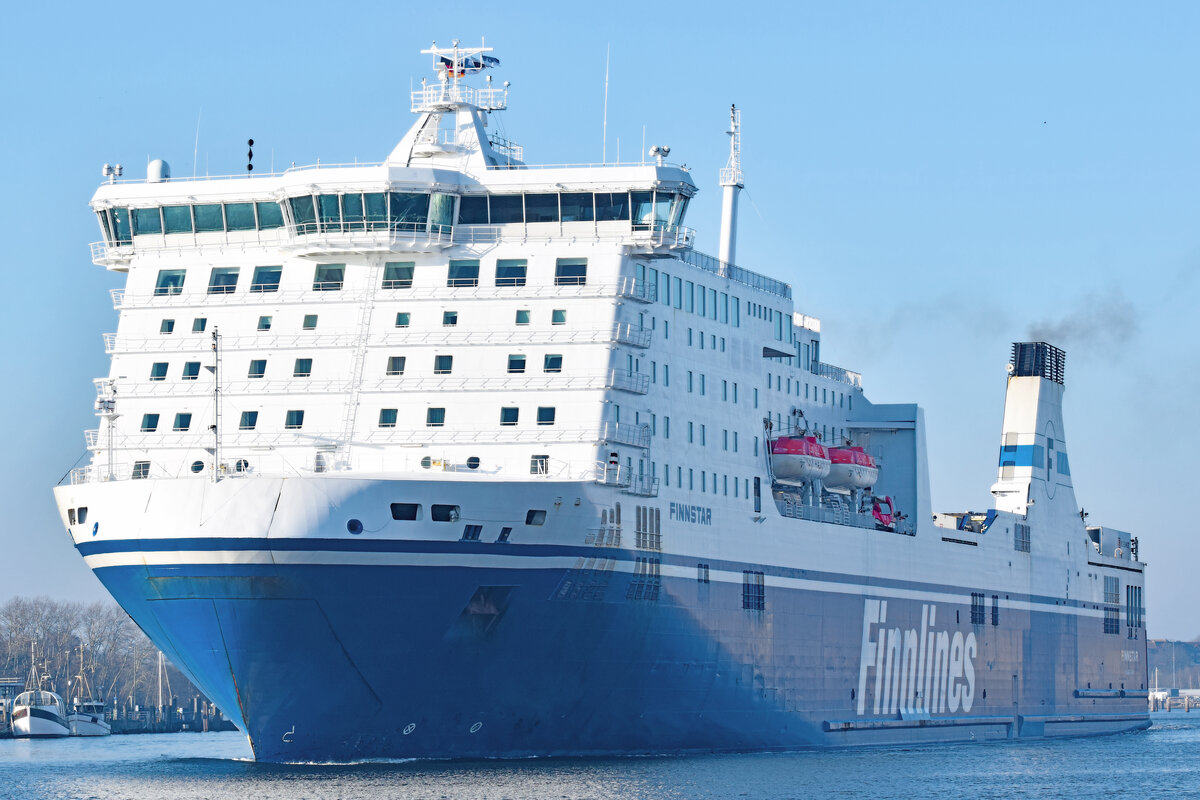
(935, 179)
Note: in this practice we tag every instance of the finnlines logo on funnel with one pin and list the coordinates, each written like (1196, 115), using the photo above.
(915, 671)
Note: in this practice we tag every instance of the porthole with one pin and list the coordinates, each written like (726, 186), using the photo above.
(197, 466)
(241, 465)
(473, 462)
(426, 462)
(354, 526)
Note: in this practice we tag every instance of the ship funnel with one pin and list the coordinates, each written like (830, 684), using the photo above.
(732, 183)
(1033, 466)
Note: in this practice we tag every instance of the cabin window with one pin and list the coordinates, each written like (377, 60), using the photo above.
(398, 274)
(149, 423)
(545, 415)
(403, 319)
(264, 323)
(166, 326)
(158, 371)
(509, 415)
(435, 417)
(539, 465)
(558, 316)
(449, 319)
(141, 469)
(303, 368)
(258, 368)
(387, 417)
(191, 370)
(329, 277)
(170, 281)
(516, 363)
(511, 271)
(294, 420)
(183, 421)
(463, 272)
(199, 324)
(395, 365)
(310, 322)
(552, 362)
(570, 272)
(248, 421)
(443, 365)
(522, 316)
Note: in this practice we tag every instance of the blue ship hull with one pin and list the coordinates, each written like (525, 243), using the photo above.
(326, 662)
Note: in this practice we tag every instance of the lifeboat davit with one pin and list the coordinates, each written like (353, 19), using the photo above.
(796, 459)
(851, 468)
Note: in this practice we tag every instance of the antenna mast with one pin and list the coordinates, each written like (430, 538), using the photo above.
(732, 182)
(604, 147)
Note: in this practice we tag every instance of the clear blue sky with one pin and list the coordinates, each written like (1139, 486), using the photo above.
(936, 180)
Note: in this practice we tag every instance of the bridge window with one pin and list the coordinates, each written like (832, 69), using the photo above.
(506, 208)
(146, 220)
(473, 210)
(376, 210)
(408, 211)
(643, 208)
(612, 207)
(177, 219)
(209, 218)
(270, 215)
(239, 216)
(577, 207)
(352, 211)
(329, 212)
(541, 208)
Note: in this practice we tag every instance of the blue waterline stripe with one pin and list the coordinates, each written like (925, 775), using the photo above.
(424, 546)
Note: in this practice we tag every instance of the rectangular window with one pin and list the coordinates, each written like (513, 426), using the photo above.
(310, 322)
(754, 592)
(541, 208)
(1112, 620)
(158, 371)
(406, 512)
(387, 417)
(239, 216)
(995, 609)
(570, 272)
(435, 417)
(612, 207)
(522, 316)
(304, 212)
(258, 368)
(265, 279)
(146, 220)
(199, 324)
(545, 415)
(183, 421)
(177, 219)
(576, 207)
(170, 281)
(506, 208)
(270, 216)
(395, 365)
(449, 319)
(329, 277)
(558, 316)
(223, 280)
(1021, 537)
(463, 272)
(703, 435)
(303, 368)
(1112, 589)
(264, 323)
(398, 274)
(702, 390)
(209, 218)
(516, 363)
(141, 469)
(702, 573)
(248, 421)
(473, 210)
(508, 415)
(666, 375)
(976, 608)
(442, 365)
(1133, 607)
(444, 513)
(294, 420)
(689, 381)
(403, 318)
(552, 362)
(166, 326)
(191, 370)
(149, 423)
(510, 272)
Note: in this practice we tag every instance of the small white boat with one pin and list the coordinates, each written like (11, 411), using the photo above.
(851, 468)
(87, 719)
(39, 714)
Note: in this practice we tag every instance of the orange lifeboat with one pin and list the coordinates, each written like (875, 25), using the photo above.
(851, 468)
(796, 459)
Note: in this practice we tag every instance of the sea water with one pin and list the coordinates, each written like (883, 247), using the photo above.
(1163, 761)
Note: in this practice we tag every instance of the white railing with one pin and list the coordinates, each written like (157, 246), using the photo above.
(837, 374)
(628, 381)
(442, 96)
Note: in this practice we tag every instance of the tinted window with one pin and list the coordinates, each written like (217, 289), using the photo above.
(270, 215)
(507, 208)
(406, 511)
(576, 207)
(541, 208)
(177, 219)
(146, 220)
(239, 216)
(473, 210)
(208, 218)
(443, 513)
(612, 207)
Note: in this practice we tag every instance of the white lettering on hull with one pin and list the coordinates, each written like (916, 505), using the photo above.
(917, 671)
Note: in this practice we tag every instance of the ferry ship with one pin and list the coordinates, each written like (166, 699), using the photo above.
(462, 455)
